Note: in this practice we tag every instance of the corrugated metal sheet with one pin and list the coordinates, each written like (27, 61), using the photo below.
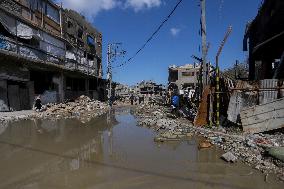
(267, 93)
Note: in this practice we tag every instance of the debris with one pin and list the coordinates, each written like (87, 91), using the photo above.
(204, 144)
(229, 157)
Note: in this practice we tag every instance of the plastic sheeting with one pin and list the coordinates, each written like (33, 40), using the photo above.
(24, 31)
(8, 22)
(91, 41)
(70, 55)
(52, 45)
(16, 27)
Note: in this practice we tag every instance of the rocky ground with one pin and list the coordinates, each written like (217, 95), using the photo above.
(82, 108)
(261, 151)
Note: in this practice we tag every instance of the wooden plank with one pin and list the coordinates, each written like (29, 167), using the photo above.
(264, 117)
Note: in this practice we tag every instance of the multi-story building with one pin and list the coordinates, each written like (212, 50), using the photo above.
(184, 76)
(149, 88)
(48, 51)
(264, 38)
(122, 90)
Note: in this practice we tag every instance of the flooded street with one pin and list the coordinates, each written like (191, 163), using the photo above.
(112, 152)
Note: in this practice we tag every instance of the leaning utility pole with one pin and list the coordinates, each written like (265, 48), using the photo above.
(204, 43)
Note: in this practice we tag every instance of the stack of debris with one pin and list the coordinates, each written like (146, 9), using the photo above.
(82, 108)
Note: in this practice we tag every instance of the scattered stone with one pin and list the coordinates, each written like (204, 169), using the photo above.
(249, 148)
(229, 157)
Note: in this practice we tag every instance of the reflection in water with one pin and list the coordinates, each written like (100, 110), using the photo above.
(110, 152)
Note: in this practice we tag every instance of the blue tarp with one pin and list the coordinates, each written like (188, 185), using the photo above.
(90, 41)
(3, 44)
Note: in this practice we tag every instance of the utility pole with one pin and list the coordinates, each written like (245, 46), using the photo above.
(113, 51)
(204, 43)
(109, 70)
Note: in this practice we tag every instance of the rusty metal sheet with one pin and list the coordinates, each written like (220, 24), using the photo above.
(265, 117)
(202, 114)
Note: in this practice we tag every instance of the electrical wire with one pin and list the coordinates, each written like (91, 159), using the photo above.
(152, 36)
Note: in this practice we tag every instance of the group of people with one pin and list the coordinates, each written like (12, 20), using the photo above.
(133, 99)
(183, 102)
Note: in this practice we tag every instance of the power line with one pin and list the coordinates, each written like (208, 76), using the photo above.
(152, 36)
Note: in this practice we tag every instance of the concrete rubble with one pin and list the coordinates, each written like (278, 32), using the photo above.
(82, 108)
(252, 149)
(229, 157)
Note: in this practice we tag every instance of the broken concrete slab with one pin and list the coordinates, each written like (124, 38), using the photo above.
(265, 117)
(229, 157)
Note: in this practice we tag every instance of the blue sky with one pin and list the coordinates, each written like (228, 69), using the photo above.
(132, 21)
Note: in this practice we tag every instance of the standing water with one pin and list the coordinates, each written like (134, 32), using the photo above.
(112, 152)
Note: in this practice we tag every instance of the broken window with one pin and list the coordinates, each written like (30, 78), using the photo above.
(69, 23)
(80, 33)
(51, 11)
(173, 76)
(90, 57)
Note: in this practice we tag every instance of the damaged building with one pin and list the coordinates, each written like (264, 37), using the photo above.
(48, 51)
(264, 39)
(149, 88)
(183, 77)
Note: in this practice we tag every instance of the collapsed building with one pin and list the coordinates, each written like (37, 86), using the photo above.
(183, 77)
(48, 51)
(149, 88)
(122, 91)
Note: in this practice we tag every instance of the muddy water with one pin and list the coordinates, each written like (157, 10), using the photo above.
(112, 152)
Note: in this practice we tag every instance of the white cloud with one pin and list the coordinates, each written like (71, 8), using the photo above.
(90, 8)
(138, 5)
(175, 31)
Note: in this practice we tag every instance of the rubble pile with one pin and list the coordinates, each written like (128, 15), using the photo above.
(261, 151)
(82, 108)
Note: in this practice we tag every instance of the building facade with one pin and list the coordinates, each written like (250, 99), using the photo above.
(149, 88)
(183, 77)
(264, 38)
(48, 51)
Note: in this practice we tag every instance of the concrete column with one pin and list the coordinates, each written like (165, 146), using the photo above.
(87, 87)
(61, 87)
(31, 89)
(3, 96)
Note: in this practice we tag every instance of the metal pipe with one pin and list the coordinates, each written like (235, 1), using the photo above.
(218, 76)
